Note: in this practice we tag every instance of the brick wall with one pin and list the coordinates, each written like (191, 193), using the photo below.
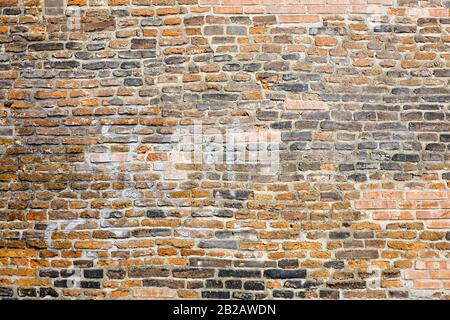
(129, 130)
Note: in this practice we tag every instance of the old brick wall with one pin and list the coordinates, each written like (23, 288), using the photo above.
(97, 199)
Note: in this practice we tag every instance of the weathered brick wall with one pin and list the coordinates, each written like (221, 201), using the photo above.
(351, 96)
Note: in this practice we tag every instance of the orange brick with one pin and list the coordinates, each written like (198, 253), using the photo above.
(393, 215)
(142, 12)
(167, 11)
(172, 21)
(438, 12)
(427, 284)
(301, 245)
(322, 41)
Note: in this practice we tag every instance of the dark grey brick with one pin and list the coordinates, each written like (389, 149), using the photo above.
(44, 292)
(254, 285)
(293, 87)
(406, 157)
(296, 136)
(220, 96)
(93, 273)
(134, 82)
(236, 273)
(6, 292)
(284, 274)
(218, 244)
(49, 46)
(216, 294)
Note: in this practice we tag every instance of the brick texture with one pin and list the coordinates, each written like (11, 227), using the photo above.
(95, 97)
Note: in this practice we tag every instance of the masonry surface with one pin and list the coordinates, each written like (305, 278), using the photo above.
(96, 201)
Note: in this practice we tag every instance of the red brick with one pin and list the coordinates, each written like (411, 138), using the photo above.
(335, 9)
(292, 9)
(375, 204)
(433, 214)
(228, 10)
(300, 19)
